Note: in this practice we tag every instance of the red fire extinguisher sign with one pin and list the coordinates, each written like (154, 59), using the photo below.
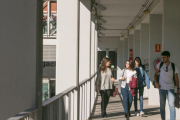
(157, 47)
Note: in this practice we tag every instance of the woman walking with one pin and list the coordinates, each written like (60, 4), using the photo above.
(104, 84)
(143, 80)
(126, 77)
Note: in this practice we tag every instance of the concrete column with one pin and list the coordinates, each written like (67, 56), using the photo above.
(171, 35)
(120, 54)
(21, 57)
(136, 43)
(96, 49)
(85, 22)
(92, 58)
(144, 42)
(130, 43)
(126, 52)
(155, 37)
(171, 30)
(144, 48)
(67, 40)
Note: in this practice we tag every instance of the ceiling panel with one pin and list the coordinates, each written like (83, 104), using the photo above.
(119, 14)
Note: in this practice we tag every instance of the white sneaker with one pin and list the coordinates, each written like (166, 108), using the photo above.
(141, 113)
(136, 114)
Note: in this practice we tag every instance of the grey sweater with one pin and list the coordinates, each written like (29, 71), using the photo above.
(103, 80)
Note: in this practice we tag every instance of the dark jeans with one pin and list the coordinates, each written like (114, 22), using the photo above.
(127, 98)
(105, 95)
(141, 91)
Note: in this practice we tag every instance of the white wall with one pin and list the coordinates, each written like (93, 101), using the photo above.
(21, 57)
(126, 51)
(108, 42)
(136, 43)
(66, 49)
(120, 55)
(84, 50)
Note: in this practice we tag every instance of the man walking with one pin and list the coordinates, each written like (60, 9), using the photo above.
(166, 84)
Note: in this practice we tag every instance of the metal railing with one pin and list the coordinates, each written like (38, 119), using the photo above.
(29, 114)
(64, 105)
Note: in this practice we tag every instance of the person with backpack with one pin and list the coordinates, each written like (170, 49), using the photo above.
(103, 84)
(166, 84)
(127, 73)
(143, 80)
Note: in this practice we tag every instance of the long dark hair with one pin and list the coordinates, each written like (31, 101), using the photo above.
(131, 65)
(140, 63)
(103, 64)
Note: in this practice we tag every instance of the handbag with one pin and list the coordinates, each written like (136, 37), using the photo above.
(113, 91)
(177, 101)
(133, 85)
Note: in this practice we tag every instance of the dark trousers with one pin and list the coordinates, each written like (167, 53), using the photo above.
(105, 95)
(127, 98)
(141, 91)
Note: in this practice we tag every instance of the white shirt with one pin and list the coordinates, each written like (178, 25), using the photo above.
(130, 74)
(166, 78)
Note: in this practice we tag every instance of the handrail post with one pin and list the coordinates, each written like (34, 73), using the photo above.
(77, 65)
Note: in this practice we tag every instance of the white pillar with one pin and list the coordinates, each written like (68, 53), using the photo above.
(67, 54)
(144, 49)
(21, 57)
(67, 40)
(144, 42)
(130, 43)
(85, 21)
(171, 36)
(126, 52)
(155, 37)
(120, 55)
(136, 43)
(92, 58)
(96, 49)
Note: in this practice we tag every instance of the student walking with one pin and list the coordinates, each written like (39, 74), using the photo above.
(126, 77)
(166, 84)
(143, 80)
(104, 84)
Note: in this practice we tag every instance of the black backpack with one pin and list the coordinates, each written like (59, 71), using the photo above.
(173, 67)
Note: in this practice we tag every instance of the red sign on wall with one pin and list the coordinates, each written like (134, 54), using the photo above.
(157, 47)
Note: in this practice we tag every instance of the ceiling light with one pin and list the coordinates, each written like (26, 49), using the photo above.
(99, 6)
(100, 20)
(101, 28)
(131, 28)
(146, 11)
(93, 11)
(122, 36)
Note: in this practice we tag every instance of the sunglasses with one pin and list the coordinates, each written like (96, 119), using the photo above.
(166, 69)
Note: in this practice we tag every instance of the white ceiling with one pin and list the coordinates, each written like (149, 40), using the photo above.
(119, 14)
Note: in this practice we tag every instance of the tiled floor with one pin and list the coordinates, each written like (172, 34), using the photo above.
(115, 110)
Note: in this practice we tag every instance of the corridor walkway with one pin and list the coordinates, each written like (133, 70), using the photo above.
(115, 110)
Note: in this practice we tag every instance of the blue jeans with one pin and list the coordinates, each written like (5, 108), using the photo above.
(171, 98)
(127, 98)
(141, 91)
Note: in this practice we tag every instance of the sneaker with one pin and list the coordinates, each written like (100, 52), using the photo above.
(141, 113)
(136, 114)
